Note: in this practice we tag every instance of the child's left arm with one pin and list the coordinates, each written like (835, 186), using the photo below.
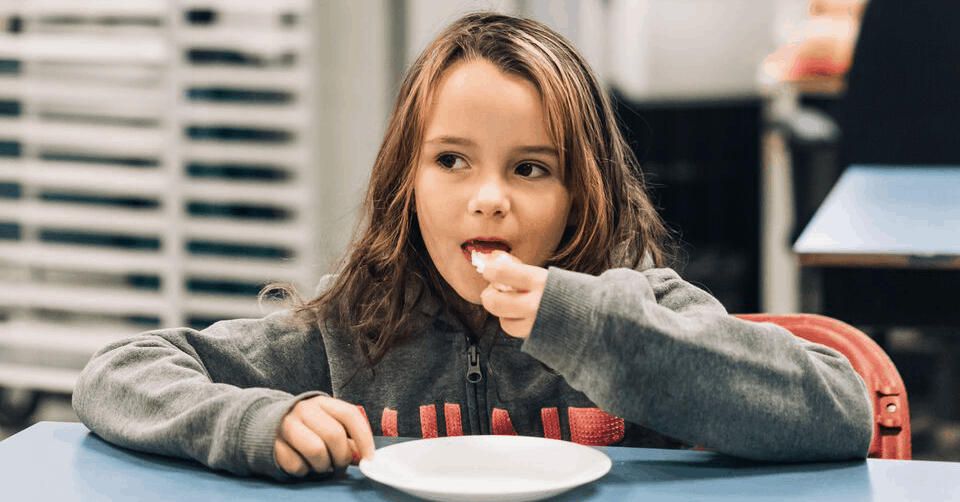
(662, 353)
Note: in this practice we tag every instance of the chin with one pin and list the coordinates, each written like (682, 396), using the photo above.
(470, 292)
(466, 287)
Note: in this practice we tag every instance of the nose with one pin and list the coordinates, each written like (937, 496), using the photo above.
(490, 198)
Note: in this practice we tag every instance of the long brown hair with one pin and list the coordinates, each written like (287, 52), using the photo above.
(387, 273)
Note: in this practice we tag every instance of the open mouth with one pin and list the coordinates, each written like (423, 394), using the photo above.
(485, 246)
(476, 249)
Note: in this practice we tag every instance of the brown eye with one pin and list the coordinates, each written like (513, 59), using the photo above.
(449, 161)
(529, 170)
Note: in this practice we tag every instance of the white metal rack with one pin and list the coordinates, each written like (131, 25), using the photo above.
(156, 169)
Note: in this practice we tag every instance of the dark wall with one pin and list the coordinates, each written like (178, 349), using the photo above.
(702, 164)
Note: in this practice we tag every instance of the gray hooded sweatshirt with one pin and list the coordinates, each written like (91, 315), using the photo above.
(627, 358)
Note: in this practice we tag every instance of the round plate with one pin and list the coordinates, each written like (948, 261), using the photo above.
(486, 468)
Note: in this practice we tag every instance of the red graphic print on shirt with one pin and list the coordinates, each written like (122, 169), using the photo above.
(388, 422)
(588, 426)
(451, 414)
(551, 423)
(428, 421)
(501, 424)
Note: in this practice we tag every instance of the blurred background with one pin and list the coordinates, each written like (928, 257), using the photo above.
(162, 160)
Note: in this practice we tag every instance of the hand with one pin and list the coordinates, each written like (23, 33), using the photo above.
(322, 434)
(514, 292)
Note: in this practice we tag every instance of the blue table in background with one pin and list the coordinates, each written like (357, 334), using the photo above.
(65, 462)
(884, 216)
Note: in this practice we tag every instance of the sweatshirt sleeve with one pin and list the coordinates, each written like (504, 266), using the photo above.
(660, 352)
(216, 395)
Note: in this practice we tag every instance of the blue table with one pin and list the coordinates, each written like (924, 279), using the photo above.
(882, 216)
(64, 462)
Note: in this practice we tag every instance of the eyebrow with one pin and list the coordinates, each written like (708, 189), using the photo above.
(458, 141)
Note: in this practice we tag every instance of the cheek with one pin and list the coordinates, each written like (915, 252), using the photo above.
(435, 206)
(555, 215)
(547, 223)
(437, 197)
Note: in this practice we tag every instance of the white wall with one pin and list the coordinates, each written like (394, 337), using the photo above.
(689, 49)
(649, 49)
(355, 89)
(583, 22)
(426, 18)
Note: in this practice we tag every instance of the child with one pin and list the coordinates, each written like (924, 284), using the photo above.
(502, 148)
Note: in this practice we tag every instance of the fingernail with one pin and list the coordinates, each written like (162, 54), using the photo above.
(356, 457)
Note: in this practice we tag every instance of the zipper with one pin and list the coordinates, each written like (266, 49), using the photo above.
(478, 415)
(473, 364)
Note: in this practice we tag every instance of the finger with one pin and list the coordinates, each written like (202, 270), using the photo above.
(331, 432)
(508, 270)
(340, 448)
(305, 441)
(355, 455)
(356, 425)
(517, 328)
(509, 304)
(289, 460)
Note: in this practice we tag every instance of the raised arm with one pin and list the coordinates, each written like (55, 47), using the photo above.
(657, 351)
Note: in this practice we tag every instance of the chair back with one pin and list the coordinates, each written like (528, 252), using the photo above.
(891, 434)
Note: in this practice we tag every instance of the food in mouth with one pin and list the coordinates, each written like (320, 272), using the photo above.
(478, 260)
(478, 250)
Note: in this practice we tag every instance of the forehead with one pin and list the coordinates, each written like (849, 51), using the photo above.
(475, 98)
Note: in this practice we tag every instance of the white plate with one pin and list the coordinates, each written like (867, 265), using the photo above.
(486, 468)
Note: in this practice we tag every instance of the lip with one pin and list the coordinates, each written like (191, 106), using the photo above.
(491, 243)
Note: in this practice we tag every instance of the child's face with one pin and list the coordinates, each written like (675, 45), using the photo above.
(488, 171)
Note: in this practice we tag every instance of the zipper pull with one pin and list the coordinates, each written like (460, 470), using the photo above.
(473, 370)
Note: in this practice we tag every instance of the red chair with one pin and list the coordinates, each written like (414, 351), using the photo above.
(891, 435)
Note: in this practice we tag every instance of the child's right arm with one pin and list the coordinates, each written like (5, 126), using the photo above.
(218, 395)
